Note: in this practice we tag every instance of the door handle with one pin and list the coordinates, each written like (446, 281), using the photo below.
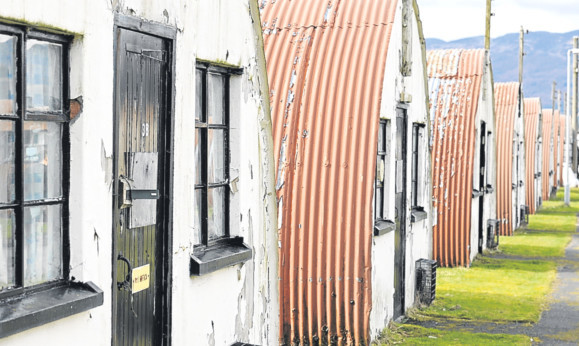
(125, 285)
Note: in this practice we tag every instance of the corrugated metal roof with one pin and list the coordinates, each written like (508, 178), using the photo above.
(455, 85)
(547, 159)
(532, 117)
(326, 63)
(506, 105)
(561, 147)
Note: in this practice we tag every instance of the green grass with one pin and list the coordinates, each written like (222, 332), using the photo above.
(415, 335)
(497, 290)
(492, 290)
(533, 244)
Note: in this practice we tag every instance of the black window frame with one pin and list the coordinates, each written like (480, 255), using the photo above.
(212, 254)
(203, 126)
(21, 115)
(25, 307)
(379, 188)
(417, 209)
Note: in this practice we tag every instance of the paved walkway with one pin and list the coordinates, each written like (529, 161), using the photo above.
(559, 323)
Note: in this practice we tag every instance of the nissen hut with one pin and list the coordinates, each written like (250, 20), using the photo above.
(463, 153)
(561, 149)
(511, 207)
(534, 152)
(348, 98)
(137, 195)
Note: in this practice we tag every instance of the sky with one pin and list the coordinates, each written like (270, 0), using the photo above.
(454, 19)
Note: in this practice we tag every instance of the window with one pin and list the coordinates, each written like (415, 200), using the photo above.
(416, 178)
(381, 224)
(33, 132)
(34, 175)
(380, 172)
(212, 157)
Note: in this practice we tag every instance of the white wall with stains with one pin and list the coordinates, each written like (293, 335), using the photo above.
(233, 304)
(519, 179)
(418, 234)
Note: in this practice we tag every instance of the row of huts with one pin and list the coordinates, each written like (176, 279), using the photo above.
(251, 172)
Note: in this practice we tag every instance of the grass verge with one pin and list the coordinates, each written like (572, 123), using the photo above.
(415, 335)
(492, 290)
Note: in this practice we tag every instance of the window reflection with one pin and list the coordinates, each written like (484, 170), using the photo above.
(7, 74)
(43, 76)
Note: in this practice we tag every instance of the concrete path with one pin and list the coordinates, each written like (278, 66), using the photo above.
(559, 323)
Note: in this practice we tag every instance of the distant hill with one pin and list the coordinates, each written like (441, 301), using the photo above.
(545, 59)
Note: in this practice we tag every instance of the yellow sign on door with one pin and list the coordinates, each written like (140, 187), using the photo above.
(140, 278)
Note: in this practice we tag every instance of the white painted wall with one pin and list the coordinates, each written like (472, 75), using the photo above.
(233, 304)
(485, 112)
(419, 234)
(519, 175)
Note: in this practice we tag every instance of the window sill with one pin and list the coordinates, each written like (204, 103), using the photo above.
(33, 310)
(382, 227)
(418, 214)
(231, 251)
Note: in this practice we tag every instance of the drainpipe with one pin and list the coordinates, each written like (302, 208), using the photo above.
(570, 52)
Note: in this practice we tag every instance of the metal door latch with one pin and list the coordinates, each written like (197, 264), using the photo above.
(128, 194)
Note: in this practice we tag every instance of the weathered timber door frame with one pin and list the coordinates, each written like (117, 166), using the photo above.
(400, 204)
(482, 183)
(168, 35)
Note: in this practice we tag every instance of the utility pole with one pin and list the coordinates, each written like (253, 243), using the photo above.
(521, 54)
(488, 27)
(574, 109)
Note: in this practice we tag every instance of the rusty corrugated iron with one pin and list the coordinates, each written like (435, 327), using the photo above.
(532, 135)
(455, 85)
(326, 63)
(561, 147)
(547, 158)
(506, 109)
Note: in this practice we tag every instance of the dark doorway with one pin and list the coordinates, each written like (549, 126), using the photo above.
(482, 184)
(400, 212)
(141, 187)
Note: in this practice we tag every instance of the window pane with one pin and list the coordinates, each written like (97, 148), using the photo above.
(43, 76)
(42, 160)
(198, 161)
(199, 97)
(198, 215)
(381, 141)
(215, 157)
(216, 211)
(42, 244)
(216, 102)
(7, 187)
(7, 74)
(7, 248)
(378, 211)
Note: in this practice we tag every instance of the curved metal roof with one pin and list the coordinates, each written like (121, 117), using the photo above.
(326, 65)
(506, 106)
(455, 84)
(532, 133)
(547, 159)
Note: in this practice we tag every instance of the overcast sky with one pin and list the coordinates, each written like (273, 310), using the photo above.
(454, 19)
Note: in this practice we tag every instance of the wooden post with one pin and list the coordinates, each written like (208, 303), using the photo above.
(488, 26)
(521, 54)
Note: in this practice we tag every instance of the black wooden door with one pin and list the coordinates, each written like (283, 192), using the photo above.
(140, 259)
(400, 212)
(482, 184)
